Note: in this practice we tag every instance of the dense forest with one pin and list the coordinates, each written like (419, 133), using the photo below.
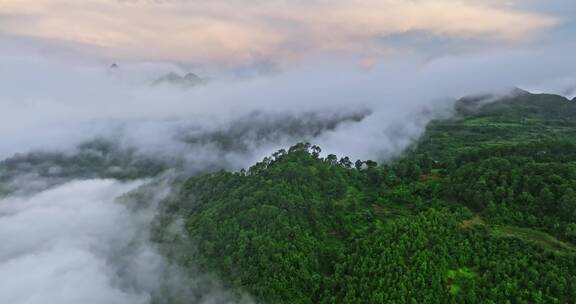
(481, 209)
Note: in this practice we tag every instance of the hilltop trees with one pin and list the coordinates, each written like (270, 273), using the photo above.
(300, 228)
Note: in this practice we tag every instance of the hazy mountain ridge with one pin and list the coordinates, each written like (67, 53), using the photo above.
(502, 121)
(189, 80)
(111, 158)
(518, 104)
(259, 128)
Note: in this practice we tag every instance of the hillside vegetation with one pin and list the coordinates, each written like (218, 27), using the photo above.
(483, 209)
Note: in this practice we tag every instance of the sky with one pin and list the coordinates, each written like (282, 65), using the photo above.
(237, 32)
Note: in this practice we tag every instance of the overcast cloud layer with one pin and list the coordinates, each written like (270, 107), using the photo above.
(239, 31)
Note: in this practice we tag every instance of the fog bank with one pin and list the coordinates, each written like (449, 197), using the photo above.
(61, 246)
(55, 105)
(89, 242)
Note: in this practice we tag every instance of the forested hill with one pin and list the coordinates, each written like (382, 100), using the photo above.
(482, 211)
(487, 120)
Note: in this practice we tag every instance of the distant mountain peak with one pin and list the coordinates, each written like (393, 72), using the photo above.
(189, 80)
(519, 92)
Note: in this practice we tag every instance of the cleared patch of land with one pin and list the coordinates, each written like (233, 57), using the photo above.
(475, 220)
(541, 238)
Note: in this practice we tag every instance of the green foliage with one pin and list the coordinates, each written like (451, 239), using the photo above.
(483, 210)
(458, 278)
